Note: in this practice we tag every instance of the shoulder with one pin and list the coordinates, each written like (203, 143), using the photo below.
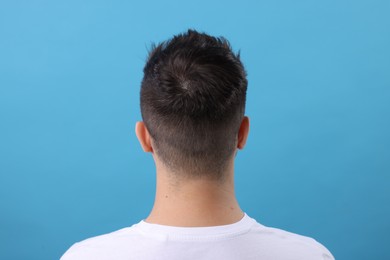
(286, 243)
(99, 247)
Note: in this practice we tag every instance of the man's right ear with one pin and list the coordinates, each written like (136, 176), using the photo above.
(143, 137)
(243, 133)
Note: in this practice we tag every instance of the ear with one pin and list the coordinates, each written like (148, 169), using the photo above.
(143, 137)
(243, 133)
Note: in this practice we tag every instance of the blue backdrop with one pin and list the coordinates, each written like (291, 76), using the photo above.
(318, 158)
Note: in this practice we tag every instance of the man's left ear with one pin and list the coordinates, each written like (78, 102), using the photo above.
(243, 133)
(143, 137)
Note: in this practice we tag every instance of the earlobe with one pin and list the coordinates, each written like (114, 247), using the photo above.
(143, 136)
(243, 133)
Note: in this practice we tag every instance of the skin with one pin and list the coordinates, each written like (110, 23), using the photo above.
(184, 202)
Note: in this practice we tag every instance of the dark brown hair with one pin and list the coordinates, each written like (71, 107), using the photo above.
(192, 102)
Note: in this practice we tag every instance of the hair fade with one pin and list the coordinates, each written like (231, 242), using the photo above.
(192, 102)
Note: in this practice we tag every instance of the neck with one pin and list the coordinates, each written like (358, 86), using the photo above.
(195, 202)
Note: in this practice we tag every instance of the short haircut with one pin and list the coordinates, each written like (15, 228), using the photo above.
(192, 102)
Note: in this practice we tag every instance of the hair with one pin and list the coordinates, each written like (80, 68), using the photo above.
(192, 102)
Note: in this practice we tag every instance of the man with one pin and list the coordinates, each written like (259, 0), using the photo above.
(192, 102)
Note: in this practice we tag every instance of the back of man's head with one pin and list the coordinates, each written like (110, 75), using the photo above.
(192, 103)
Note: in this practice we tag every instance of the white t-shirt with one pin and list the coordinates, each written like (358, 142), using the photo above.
(245, 239)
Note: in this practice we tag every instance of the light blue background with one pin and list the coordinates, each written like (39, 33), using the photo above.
(318, 158)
